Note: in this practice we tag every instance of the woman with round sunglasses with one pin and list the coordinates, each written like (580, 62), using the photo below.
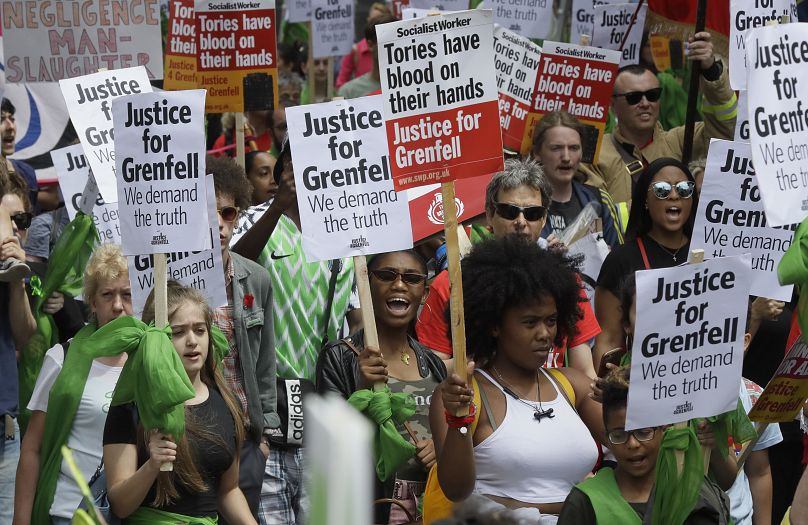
(657, 236)
(397, 284)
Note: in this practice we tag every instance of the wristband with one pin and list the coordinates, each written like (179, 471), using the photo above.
(461, 422)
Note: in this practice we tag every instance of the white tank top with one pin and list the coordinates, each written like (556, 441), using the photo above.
(534, 461)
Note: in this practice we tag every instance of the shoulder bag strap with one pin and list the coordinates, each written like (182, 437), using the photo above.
(633, 165)
(641, 245)
(563, 384)
(336, 264)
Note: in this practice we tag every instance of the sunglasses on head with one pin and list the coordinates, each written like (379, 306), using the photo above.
(620, 436)
(228, 213)
(511, 211)
(390, 276)
(634, 97)
(22, 219)
(663, 190)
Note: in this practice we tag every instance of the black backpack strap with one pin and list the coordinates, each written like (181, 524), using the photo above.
(336, 266)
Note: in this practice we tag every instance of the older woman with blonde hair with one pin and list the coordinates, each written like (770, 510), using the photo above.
(69, 404)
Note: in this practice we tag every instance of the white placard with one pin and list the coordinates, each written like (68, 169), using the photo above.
(611, 23)
(583, 17)
(332, 27)
(344, 187)
(687, 354)
(89, 103)
(202, 270)
(73, 174)
(50, 41)
(778, 118)
(441, 5)
(746, 15)
(298, 11)
(160, 158)
(742, 120)
(529, 18)
(731, 220)
(411, 13)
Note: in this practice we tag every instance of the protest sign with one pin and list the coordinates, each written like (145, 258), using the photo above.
(160, 159)
(73, 172)
(440, 5)
(298, 11)
(236, 57)
(411, 13)
(687, 354)
(785, 394)
(742, 120)
(731, 220)
(202, 269)
(440, 97)
(89, 103)
(529, 18)
(749, 14)
(50, 41)
(578, 80)
(332, 27)
(180, 60)
(345, 191)
(778, 63)
(611, 23)
(583, 17)
(517, 61)
(426, 204)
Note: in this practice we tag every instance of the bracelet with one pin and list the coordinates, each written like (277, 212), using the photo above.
(461, 422)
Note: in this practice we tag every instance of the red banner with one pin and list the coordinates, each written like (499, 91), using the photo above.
(180, 58)
(426, 205)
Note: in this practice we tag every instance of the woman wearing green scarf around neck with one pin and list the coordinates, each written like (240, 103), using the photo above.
(204, 483)
(107, 291)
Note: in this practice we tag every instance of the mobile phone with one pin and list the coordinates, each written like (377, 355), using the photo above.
(612, 356)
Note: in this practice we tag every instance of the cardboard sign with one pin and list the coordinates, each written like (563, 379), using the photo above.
(236, 56)
(529, 18)
(746, 15)
(160, 158)
(779, 119)
(332, 27)
(517, 61)
(345, 191)
(202, 270)
(688, 341)
(583, 17)
(180, 61)
(742, 120)
(73, 173)
(785, 394)
(440, 97)
(611, 23)
(50, 41)
(426, 205)
(578, 80)
(731, 220)
(298, 11)
(89, 103)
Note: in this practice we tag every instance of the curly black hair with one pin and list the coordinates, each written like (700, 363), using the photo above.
(499, 274)
(614, 387)
(229, 179)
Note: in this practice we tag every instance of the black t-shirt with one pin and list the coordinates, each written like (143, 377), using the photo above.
(213, 452)
(626, 259)
(562, 214)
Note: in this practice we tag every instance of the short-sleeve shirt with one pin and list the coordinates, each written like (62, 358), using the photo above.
(626, 259)
(562, 214)
(432, 327)
(213, 451)
(87, 428)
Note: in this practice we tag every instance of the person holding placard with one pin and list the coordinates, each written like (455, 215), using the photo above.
(657, 236)
(370, 81)
(361, 59)
(533, 439)
(204, 482)
(397, 282)
(46, 491)
(640, 139)
(625, 494)
(557, 146)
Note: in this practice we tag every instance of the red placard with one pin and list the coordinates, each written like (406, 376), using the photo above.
(426, 205)
(180, 58)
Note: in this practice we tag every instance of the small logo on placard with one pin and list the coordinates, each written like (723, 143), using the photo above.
(684, 408)
(158, 239)
(805, 205)
(435, 211)
(359, 242)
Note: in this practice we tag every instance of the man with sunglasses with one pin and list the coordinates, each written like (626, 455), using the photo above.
(639, 139)
(516, 202)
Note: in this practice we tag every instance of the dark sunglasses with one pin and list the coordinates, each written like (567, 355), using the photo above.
(634, 97)
(22, 219)
(620, 436)
(390, 276)
(511, 211)
(228, 213)
(662, 190)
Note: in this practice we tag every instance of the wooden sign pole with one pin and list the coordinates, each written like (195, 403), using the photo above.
(330, 88)
(240, 138)
(160, 274)
(366, 306)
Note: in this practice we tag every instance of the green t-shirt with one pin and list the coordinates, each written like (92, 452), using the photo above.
(300, 292)
(359, 87)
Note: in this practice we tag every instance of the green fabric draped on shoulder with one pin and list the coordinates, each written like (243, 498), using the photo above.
(150, 516)
(676, 493)
(609, 504)
(793, 269)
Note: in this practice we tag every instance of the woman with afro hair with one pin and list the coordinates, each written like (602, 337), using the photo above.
(532, 440)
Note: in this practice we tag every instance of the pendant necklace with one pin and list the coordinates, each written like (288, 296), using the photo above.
(538, 411)
(672, 254)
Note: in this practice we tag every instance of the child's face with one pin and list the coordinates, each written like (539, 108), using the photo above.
(634, 457)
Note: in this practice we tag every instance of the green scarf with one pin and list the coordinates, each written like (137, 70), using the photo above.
(676, 493)
(386, 410)
(735, 424)
(65, 274)
(793, 269)
(150, 516)
(608, 503)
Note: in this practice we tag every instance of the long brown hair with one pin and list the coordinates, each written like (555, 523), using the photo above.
(186, 473)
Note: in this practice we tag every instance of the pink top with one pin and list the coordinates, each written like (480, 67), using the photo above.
(353, 67)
